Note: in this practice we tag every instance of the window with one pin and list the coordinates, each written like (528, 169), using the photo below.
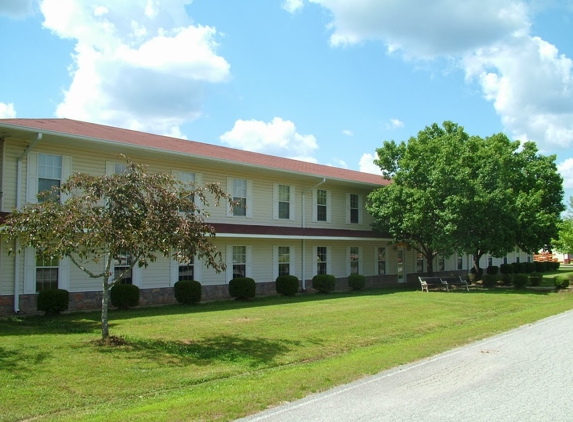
(489, 261)
(186, 271)
(239, 261)
(119, 168)
(188, 179)
(441, 263)
(354, 260)
(46, 273)
(321, 205)
(354, 213)
(122, 267)
(284, 260)
(241, 192)
(419, 262)
(284, 202)
(505, 259)
(381, 261)
(321, 260)
(49, 174)
(459, 263)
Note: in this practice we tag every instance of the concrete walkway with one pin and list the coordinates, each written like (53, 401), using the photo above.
(524, 375)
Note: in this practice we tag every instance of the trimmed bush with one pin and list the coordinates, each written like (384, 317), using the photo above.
(535, 279)
(520, 281)
(124, 296)
(506, 268)
(561, 281)
(518, 267)
(507, 279)
(242, 288)
(53, 301)
(324, 283)
(489, 281)
(479, 272)
(530, 267)
(187, 292)
(555, 265)
(287, 285)
(356, 282)
(540, 267)
(492, 270)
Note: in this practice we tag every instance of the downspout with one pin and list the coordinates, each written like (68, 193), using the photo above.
(303, 216)
(18, 206)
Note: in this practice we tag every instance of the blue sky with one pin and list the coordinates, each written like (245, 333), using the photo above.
(320, 80)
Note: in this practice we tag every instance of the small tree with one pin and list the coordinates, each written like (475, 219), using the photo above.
(104, 217)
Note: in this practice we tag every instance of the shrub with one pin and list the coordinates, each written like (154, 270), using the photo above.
(124, 296)
(506, 268)
(556, 265)
(324, 283)
(561, 281)
(287, 285)
(492, 270)
(242, 288)
(518, 267)
(507, 279)
(53, 301)
(540, 267)
(479, 272)
(520, 280)
(535, 279)
(489, 281)
(187, 292)
(529, 267)
(356, 282)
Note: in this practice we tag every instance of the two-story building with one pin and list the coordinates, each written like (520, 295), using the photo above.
(299, 218)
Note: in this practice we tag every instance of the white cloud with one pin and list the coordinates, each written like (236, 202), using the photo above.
(278, 137)
(7, 111)
(566, 171)
(347, 132)
(424, 28)
(140, 64)
(394, 124)
(16, 9)
(366, 164)
(292, 6)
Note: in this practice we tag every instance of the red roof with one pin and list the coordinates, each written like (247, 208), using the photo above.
(92, 131)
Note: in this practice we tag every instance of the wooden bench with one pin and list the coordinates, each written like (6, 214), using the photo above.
(427, 282)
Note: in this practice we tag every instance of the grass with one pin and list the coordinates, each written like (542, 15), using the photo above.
(223, 360)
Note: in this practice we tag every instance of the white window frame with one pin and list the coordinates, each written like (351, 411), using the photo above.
(316, 261)
(33, 174)
(187, 177)
(315, 206)
(276, 202)
(30, 272)
(277, 262)
(197, 270)
(349, 262)
(248, 199)
(349, 208)
(229, 261)
(377, 260)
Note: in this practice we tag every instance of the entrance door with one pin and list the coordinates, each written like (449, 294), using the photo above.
(400, 267)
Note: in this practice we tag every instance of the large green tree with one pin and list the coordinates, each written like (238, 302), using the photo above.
(454, 192)
(133, 213)
(564, 241)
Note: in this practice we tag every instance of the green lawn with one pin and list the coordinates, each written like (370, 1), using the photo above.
(224, 360)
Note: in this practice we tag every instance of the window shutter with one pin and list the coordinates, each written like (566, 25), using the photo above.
(275, 262)
(136, 275)
(249, 257)
(348, 260)
(314, 216)
(198, 270)
(230, 193)
(66, 173)
(109, 168)
(348, 212)
(275, 201)
(229, 263)
(32, 179)
(249, 199)
(328, 260)
(64, 274)
(292, 264)
(314, 260)
(29, 271)
(328, 206)
(173, 272)
(292, 203)
(199, 183)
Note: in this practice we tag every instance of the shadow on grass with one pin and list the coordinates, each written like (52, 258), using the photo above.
(20, 360)
(251, 352)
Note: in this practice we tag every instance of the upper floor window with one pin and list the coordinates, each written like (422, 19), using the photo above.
(49, 174)
(381, 261)
(241, 193)
(321, 205)
(321, 260)
(188, 179)
(283, 207)
(353, 208)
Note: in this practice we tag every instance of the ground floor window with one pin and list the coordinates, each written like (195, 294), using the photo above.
(441, 263)
(284, 260)
(239, 261)
(46, 273)
(186, 271)
(420, 262)
(354, 260)
(459, 263)
(122, 268)
(321, 260)
(381, 261)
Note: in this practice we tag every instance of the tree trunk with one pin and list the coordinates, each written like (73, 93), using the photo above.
(430, 262)
(104, 308)
(477, 256)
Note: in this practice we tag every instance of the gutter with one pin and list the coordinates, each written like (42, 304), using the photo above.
(303, 241)
(18, 206)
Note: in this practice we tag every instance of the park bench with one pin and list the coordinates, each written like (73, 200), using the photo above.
(427, 282)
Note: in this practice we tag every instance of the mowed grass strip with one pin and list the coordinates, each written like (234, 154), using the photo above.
(224, 360)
